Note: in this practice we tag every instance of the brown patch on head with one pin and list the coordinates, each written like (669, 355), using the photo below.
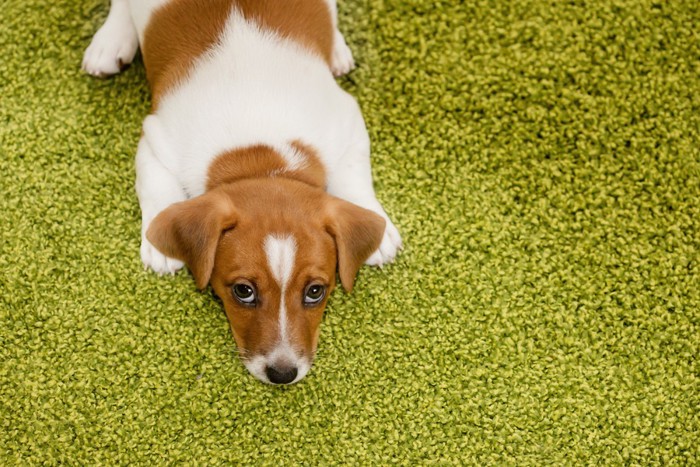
(242, 258)
(261, 161)
(182, 30)
(285, 209)
(222, 237)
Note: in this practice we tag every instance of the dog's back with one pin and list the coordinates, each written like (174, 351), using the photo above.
(232, 74)
(175, 33)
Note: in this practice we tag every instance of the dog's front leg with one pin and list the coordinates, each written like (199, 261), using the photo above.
(157, 188)
(351, 180)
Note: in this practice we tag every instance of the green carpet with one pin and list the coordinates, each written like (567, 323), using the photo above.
(542, 161)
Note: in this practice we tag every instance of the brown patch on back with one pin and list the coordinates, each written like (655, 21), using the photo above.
(261, 161)
(177, 34)
(182, 30)
(305, 21)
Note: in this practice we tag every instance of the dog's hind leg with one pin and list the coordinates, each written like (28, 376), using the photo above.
(114, 45)
(341, 60)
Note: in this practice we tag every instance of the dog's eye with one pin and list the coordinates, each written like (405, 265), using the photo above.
(314, 294)
(244, 293)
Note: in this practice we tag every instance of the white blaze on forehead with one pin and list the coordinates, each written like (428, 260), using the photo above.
(281, 252)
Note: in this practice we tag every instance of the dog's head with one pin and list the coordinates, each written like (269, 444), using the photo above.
(270, 250)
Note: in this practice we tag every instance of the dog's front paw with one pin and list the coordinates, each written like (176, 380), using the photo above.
(341, 61)
(157, 261)
(112, 48)
(390, 246)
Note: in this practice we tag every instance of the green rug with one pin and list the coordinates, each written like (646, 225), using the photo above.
(542, 161)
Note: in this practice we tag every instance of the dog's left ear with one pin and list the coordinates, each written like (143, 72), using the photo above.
(357, 233)
(190, 231)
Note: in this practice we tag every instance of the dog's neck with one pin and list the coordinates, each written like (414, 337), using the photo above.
(295, 161)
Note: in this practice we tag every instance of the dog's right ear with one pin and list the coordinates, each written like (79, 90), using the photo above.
(190, 231)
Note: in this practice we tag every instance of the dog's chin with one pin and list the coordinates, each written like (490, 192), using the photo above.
(258, 367)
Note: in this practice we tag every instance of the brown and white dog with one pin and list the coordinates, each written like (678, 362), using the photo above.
(254, 165)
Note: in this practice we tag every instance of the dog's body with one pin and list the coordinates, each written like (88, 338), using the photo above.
(253, 167)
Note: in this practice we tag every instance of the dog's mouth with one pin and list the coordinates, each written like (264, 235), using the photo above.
(279, 367)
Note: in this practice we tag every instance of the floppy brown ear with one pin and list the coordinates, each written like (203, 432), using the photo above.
(357, 233)
(190, 231)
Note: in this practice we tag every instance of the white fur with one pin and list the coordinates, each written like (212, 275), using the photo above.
(157, 189)
(141, 11)
(280, 252)
(341, 60)
(257, 365)
(252, 87)
(294, 159)
(114, 45)
(279, 93)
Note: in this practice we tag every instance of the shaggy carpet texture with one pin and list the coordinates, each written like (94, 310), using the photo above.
(542, 161)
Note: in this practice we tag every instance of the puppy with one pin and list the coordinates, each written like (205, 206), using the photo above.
(253, 168)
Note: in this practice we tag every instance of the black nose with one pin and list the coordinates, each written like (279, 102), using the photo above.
(283, 375)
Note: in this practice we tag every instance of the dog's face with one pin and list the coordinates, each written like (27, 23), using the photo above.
(270, 250)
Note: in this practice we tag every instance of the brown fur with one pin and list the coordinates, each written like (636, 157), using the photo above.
(220, 236)
(263, 161)
(182, 30)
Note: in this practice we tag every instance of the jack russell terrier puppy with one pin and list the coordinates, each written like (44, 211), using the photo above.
(253, 167)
